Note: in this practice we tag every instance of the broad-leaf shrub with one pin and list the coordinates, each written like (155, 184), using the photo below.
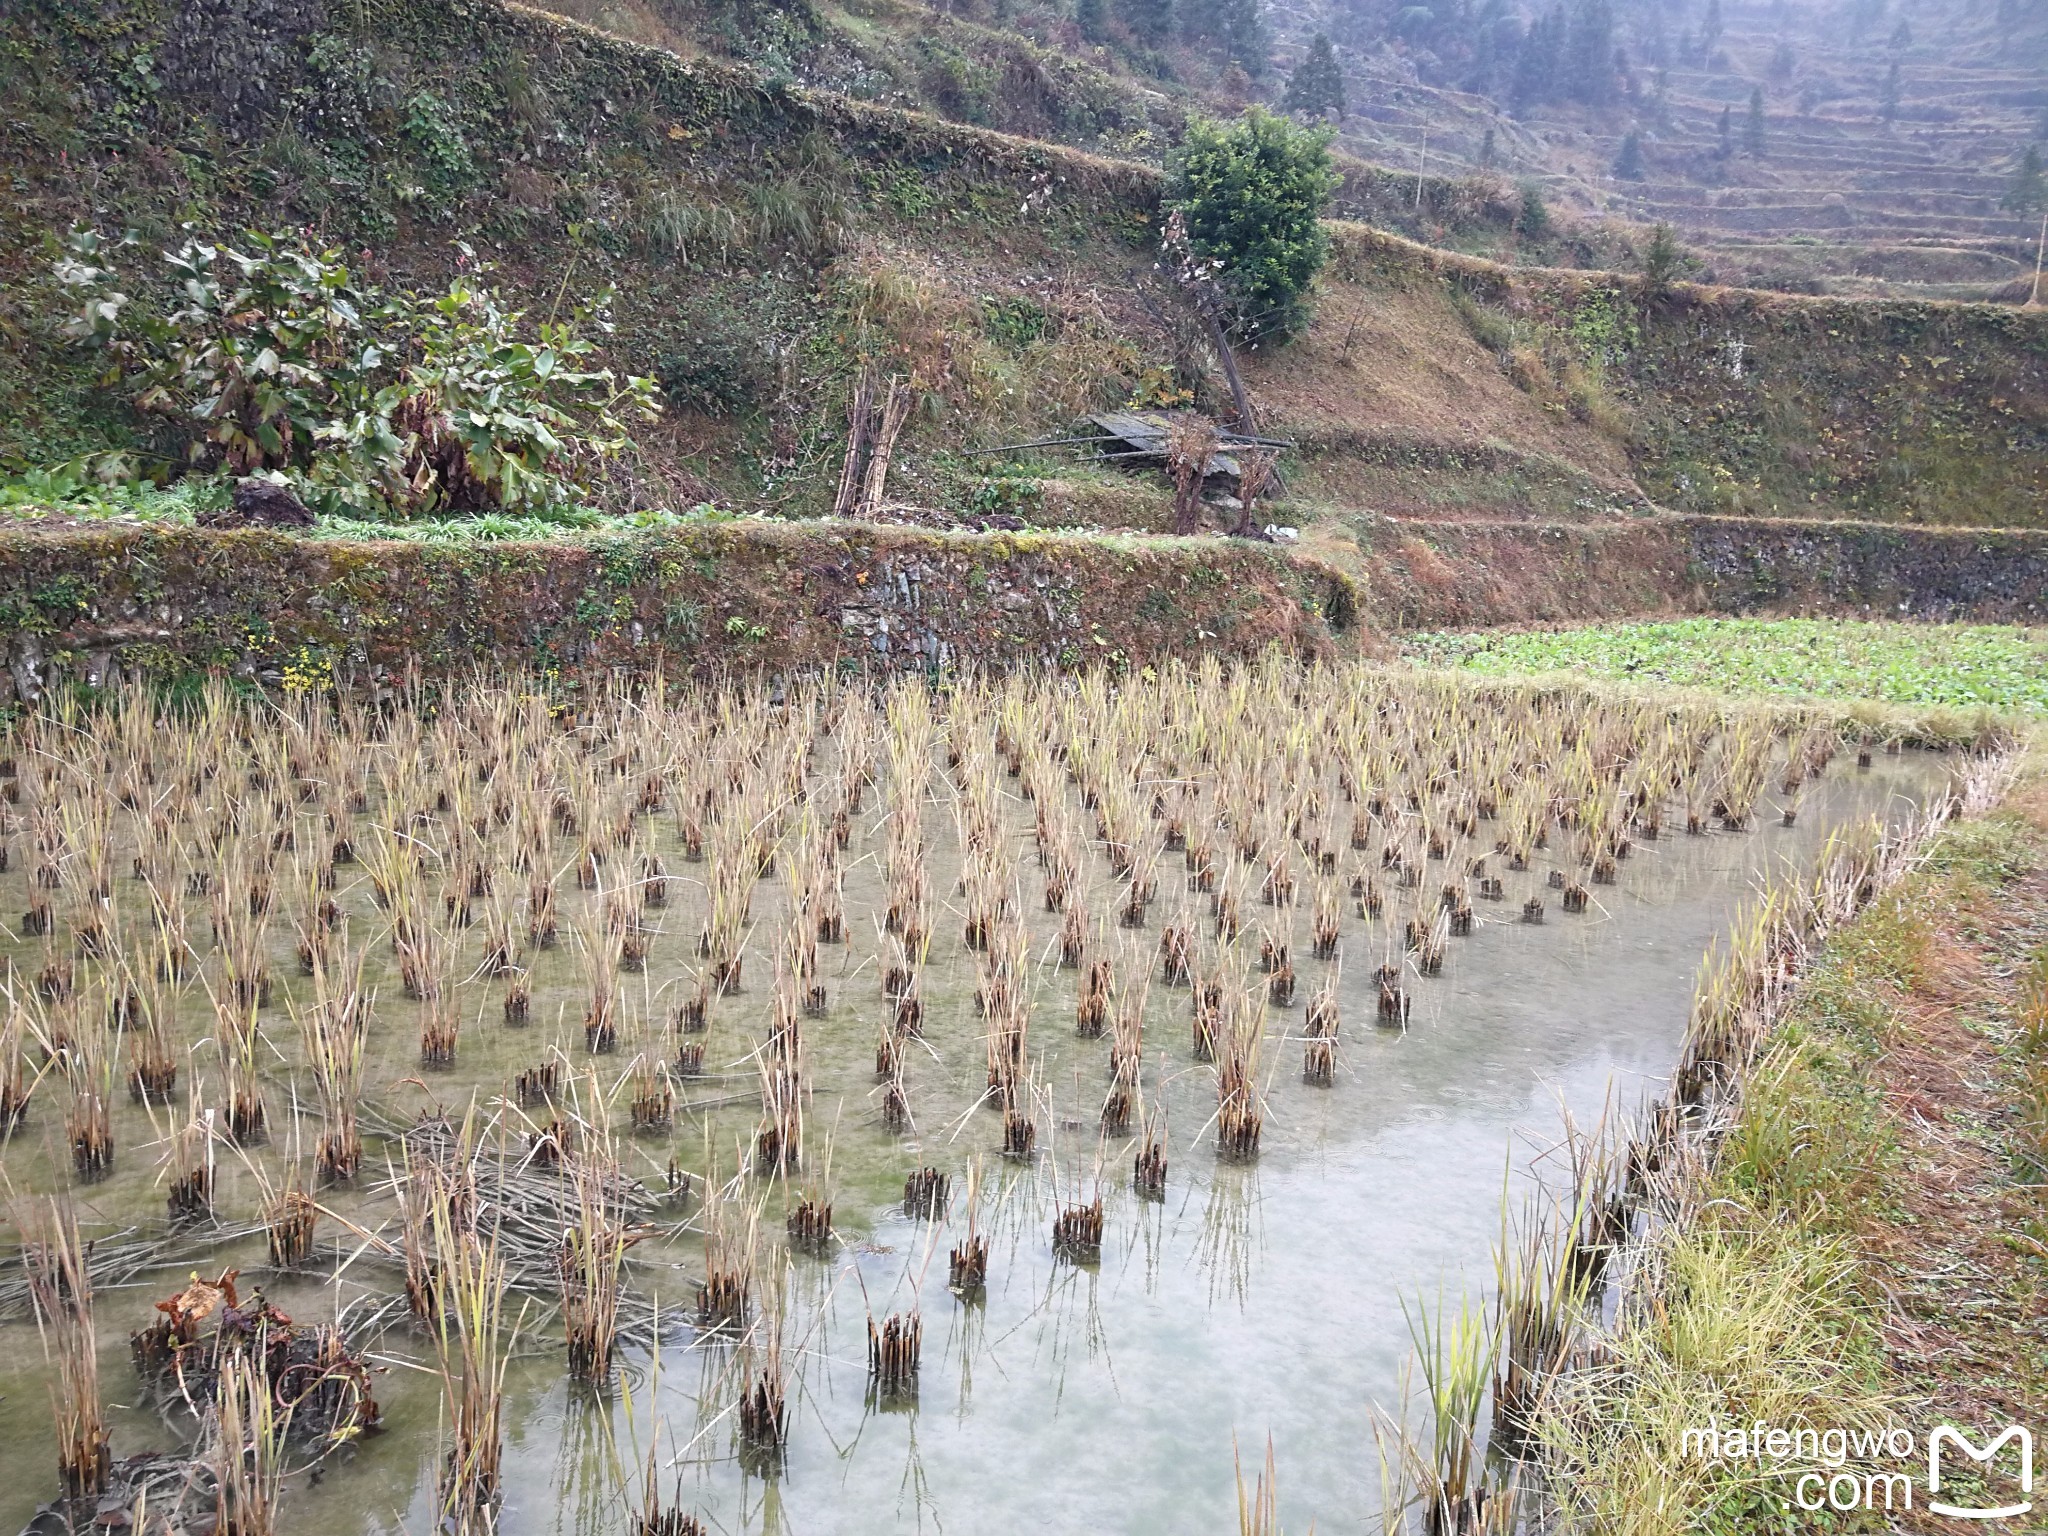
(278, 359)
(1251, 197)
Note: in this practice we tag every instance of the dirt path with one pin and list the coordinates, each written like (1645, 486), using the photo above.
(1954, 1243)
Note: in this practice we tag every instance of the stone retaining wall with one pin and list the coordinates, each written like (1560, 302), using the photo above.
(89, 605)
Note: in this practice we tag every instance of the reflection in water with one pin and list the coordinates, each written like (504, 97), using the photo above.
(1227, 1249)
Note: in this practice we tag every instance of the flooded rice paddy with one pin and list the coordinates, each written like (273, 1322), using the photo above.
(804, 944)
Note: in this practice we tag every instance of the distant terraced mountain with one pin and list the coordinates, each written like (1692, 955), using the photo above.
(1887, 149)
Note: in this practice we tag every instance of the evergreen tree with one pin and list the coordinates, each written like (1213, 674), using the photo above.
(1589, 53)
(1888, 94)
(1200, 20)
(1092, 17)
(1536, 70)
(1244, 37)
(1753, 125)
(1727, 132)
(1663, 259)
(2029, 190)
(1317, 85)
(1657, 50)
(1902, 36)
(1782, 62)
(1487, 150)
(1232, 27)
(1710, 30)
(1497, 44)
(1533, 221)
(1628, 165)
(1485, 63)
(1150, 21)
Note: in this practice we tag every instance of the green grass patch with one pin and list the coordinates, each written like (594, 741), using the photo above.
(1955, 665)
(1764, 1308)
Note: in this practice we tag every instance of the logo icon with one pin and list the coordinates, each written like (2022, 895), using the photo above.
(1949, 1434)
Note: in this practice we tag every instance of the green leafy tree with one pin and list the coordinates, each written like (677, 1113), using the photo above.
(1317, 85)
(1251, 196)
(277, 359)
(1532, 220)
(2029, 190)
(1628, 165)
(1092, 17)
(1753, 124)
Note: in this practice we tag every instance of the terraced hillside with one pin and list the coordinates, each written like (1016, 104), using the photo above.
(764, 239)
(1861, 179)
(1873, 205)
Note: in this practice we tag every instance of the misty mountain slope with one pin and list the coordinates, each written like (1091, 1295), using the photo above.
(1885, 143)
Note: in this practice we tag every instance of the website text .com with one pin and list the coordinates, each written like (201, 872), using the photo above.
(1890, 1468)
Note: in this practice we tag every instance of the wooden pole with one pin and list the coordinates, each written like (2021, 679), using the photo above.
(2034, 299)
(859, 423)
(895, 408)
(1220, 339)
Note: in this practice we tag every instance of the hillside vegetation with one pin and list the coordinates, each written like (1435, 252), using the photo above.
(766, 238)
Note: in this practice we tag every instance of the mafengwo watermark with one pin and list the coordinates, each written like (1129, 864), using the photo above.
(1892, 1468)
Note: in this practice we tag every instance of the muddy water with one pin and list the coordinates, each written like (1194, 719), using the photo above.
(1253, 1302)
